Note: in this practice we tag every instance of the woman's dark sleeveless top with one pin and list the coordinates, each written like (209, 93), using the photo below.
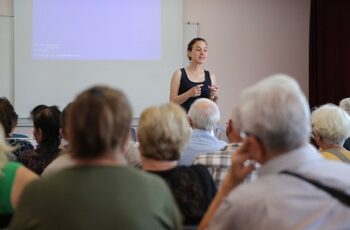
(186, 84)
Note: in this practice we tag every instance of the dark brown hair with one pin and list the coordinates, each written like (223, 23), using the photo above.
(48, 121)
(98, 121)
(192, 42)
(8, 116)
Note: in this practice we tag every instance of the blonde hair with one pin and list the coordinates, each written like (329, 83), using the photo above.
(4, 148)
(163, 131)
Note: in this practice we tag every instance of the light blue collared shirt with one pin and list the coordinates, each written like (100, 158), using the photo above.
(279, 201)
(201, 142)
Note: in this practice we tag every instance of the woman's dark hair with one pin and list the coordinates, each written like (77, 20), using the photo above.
(98, 122)
(37, 109)
(8, 116)
(48, 121)
(192, 42)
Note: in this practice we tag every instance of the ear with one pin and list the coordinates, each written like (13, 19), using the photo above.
(190, 121)
(229, 128)
(63, 134)
(124, 144)
(188, 53)
(256, 149)
(317, 138)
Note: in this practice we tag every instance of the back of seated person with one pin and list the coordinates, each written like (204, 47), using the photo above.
(98, 191)
(218, 163)
(203, 116)
(46, 132)
(8, 118)
(162, 133)
(13, 179)
(330, 128)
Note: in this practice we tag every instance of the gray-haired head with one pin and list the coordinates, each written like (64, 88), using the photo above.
(345, 104)
(332, 123)
(276, 111)
(204, 114)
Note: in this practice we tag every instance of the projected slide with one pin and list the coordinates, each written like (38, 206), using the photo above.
(96, 29)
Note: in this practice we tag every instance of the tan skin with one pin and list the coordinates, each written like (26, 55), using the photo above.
(233, 134)
(195, 72)
(23, 177)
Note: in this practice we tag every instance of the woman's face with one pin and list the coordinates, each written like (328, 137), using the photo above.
(198, 54)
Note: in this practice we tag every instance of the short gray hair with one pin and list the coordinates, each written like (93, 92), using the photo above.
(345, 104)
(276, 111)
(332, 123)
(204, 114)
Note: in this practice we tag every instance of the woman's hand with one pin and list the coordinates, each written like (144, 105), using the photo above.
(195, 91)
(213, 92)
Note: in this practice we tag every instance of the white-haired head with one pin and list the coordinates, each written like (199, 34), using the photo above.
(345, 104)
(331, 123)
(275, 110)
(204, 114)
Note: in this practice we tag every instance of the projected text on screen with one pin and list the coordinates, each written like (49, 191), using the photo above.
(96, 29)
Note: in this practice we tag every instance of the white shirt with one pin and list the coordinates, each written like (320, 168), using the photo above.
(278, 201)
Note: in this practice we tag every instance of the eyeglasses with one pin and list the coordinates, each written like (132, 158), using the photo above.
(245, 134)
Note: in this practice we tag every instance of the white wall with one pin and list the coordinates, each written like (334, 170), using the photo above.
(248, 40)
(251, 39)
(6, 49)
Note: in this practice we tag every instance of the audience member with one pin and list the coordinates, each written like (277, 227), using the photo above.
(13, 179)
(98, 192)
(330, 129)
(162, 133)
(8, 119)
(37, 109)
(47, 134)
(132, 155)
(275, 117)
(203, 115)
(345, 104)
(63, 159)
(219, 162)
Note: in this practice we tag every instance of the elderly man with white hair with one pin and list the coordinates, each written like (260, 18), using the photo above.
(204, 116)
(296, 187)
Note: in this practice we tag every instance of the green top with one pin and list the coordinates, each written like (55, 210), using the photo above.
(7, 177)
(97, 197)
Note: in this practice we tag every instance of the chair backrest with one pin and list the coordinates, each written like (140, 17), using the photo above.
(133, 134)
